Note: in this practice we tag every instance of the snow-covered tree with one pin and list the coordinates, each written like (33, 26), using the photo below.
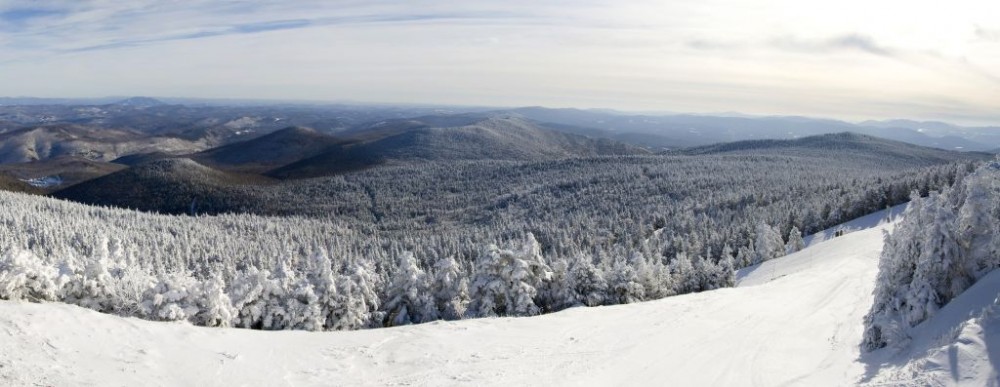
(25, 277)
(358, 299)
(795, 241)
(768, 245)
(944, 243)
(625, 286)
(507, 281)
(587, 283)
(409, 297)
(451, 289)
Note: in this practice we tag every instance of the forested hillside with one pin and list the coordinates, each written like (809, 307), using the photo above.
(417, 242)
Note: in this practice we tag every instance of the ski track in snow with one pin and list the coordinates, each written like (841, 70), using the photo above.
(795, 320)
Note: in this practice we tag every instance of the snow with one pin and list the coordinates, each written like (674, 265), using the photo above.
(795, 320)
(44, 182)
(960, 345)
(863, 223)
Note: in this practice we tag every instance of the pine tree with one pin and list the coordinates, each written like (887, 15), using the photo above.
(410, 301)
(768, 244)
(507, 281)
(451, 289)
(795, 241)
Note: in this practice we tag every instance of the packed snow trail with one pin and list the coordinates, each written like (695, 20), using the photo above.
(796, 320)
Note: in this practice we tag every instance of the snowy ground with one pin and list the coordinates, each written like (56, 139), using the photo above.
(793, 321)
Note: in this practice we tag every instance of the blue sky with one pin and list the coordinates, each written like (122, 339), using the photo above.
(853, 59)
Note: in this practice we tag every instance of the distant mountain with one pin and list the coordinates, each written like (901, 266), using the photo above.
(142, 158)
(35, 101)
(269, 151)
(944, 135)
(686, 130)
(140, 102)
(11, 183)
(93, 143)
(840, 144)
(169, 185)
(60, 172)
(490, 138)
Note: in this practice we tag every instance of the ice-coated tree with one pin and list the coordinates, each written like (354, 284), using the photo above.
(944, 243)
(977, 223)
(686, 280)
(768, 244)
(795, 241)
(358, 300)
(587, 283)
(25, 277)
(558, 292)
(745, 255)
(451, 289)
(939, 275)
(409, 296)
(625, 286)
(215, 309)
(171, 299)
(324, 285)
(648, 275)
(129, 287)
(93, 287)
(254, 294)
(507, 281)
(884, 322)
(727, 271)
(302, 304)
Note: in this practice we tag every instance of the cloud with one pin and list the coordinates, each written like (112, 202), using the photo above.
(987, 34)
(97, 25)
(238, 29)
(845, 42)
(711, 45)
(20, 15)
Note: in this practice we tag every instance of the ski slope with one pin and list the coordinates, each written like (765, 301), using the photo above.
(795, 320)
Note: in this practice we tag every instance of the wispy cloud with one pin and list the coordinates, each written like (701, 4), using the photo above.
(713, 45)
(988, 34)
(238, 29)
(849, 42)
(21, 15)
(92, 27)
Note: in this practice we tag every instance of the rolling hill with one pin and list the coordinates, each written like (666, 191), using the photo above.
(842, 144)
(174, 185)
(93, 143)
(270, 151)
(64, 170)
(674, 131)
(13, 184)
(491, 138)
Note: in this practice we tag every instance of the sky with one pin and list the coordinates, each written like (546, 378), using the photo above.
(848, 59)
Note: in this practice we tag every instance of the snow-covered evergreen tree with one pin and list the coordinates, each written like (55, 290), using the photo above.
(944, 243)
(507, 281)
(795, 241)
(409, 297)
(625, 286)
(451, 289)
(587, 283)
(768, 244)
(25, 277)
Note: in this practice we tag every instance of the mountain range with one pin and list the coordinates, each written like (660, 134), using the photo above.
(57, 146)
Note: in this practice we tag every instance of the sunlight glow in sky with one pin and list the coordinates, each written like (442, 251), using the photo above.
(851, 59)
